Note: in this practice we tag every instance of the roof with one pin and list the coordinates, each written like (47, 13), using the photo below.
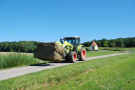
(94, 44)
(71, 37)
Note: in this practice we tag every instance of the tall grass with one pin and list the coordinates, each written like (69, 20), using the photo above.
(14, 60)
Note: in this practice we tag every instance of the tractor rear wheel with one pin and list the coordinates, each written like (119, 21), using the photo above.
(73, 57)
(82, 54)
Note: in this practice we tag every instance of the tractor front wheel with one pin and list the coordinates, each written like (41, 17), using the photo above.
(82, 54)
(73, 57)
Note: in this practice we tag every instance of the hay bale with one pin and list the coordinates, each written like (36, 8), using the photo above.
(49, 52)
(48, 56)
(51, 47)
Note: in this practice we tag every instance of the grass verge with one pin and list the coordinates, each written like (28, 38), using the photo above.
(99, 53)
(117, 49)
(107, 73)
(114, 49)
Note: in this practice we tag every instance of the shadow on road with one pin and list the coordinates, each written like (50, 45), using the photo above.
(42, 64)
(64, 61)
(48, 64)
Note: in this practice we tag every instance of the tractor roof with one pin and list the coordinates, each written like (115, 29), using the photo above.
(72, 38)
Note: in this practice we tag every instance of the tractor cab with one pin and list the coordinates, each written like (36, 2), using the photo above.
(75, 41)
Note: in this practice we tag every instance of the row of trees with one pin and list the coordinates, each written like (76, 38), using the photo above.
(22, 46)
(120, 42)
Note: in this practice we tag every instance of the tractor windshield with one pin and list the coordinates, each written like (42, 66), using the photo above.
(73, 41)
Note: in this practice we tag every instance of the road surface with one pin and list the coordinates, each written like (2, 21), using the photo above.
(14, 72)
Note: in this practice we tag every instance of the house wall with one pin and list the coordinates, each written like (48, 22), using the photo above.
(91, 48)
(95, 48)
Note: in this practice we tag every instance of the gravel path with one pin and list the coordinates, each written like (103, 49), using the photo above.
(10, 73)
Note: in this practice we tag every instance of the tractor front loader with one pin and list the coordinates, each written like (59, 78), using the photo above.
(69, 49)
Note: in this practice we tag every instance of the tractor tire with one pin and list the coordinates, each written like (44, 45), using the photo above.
(82, 54)
(73, 57)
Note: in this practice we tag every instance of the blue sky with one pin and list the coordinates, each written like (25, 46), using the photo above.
(50, 20)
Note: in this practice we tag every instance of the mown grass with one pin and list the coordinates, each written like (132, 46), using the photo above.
(14, 60)
(99, 53)
(112, 73)
(114, 49)
(117, 49)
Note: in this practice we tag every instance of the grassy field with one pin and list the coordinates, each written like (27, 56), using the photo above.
(112, 73)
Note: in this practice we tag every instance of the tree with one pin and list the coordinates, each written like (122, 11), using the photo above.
(99, 43)
(113, 45)
(105, 43)
(22, 46)
(87, 44)
(120, 43)
(102, 42)
(133, 42)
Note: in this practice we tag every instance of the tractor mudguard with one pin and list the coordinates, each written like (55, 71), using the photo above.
(79, 48)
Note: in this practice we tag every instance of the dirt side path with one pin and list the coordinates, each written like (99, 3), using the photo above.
(10, 73)
(14, 53)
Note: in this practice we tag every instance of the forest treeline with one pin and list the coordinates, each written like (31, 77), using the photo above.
(21, 46)
(120, 42)
(30, 46)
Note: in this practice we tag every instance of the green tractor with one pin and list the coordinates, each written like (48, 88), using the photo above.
(73, 49)
(69, 49)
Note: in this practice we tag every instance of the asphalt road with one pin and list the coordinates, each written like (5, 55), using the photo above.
(14, 72)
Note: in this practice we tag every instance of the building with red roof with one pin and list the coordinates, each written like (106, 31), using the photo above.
(94, 46)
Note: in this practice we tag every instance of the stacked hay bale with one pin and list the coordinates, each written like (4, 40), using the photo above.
(49, 52)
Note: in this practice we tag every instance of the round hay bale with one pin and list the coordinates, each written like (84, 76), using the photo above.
(48, 56)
